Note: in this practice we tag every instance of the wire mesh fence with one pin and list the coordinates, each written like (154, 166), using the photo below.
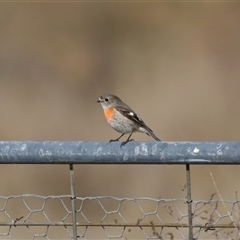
(107, 217)
(29, 216)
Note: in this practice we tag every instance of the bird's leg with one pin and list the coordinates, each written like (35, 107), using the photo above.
(115, 140)
(128, 140)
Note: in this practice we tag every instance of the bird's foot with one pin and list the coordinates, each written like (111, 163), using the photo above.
(125, 142)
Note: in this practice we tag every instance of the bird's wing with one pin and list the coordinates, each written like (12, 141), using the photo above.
(128, 113)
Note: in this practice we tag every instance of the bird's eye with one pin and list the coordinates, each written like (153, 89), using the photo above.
(106, 99)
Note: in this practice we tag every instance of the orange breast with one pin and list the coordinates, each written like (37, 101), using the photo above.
(108, 113)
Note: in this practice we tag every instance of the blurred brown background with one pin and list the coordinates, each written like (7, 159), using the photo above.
(176, 64)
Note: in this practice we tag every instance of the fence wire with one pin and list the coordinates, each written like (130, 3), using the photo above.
(108, 217)
(30, 216)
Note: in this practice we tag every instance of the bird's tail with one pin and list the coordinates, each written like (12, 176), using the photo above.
(150, 133)
(154, 136)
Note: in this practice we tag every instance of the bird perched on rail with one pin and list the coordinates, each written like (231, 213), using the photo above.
(122, 118)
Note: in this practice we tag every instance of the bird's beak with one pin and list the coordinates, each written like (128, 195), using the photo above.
(98, 101)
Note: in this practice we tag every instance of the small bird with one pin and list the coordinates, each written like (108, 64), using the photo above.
(122, 118)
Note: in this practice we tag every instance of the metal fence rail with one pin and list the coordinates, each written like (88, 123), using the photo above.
(189, 219)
